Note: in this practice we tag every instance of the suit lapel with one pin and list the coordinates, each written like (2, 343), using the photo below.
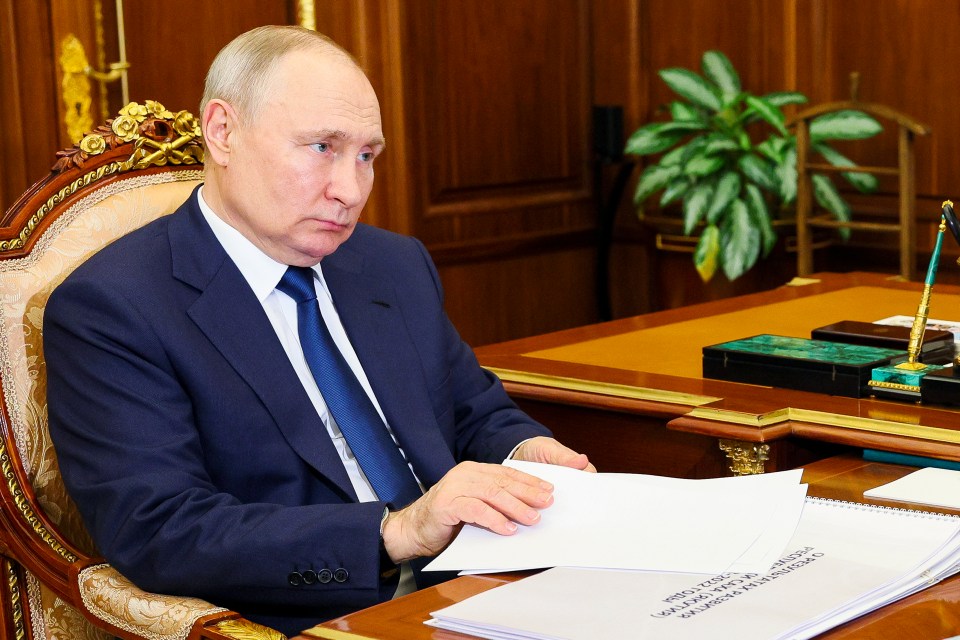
(370, 311)
(246, 339)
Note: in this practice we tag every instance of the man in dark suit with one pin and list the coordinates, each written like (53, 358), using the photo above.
(193, 428)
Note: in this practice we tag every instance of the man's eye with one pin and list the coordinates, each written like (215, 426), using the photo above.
(320, 147)
(367, 156)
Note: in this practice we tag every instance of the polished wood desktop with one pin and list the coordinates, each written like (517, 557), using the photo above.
(630, 392)
(932, 614)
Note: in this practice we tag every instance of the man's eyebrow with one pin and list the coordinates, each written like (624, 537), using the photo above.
(339, 134)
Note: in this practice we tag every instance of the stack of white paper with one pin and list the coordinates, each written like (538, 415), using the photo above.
(844, 560)
(627, 521)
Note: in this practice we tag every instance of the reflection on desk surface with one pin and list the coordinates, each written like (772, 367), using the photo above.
(675, 349)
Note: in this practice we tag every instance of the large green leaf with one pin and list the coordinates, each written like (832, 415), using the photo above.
(692, 87)
(695, 206)
(783, 98)
(683, 112)
(740, 241)
(827, 196)
(705, 256)
(675, 190)
(720, 143)
(786, 173)
(702, 165)
(758, 171)
(843, 125)
(767, 112)
(683, 126)
(774, 147)
(720, 71)
(757, 206)
(654, 178)
(651, 138)
(681, 154)
(728, 188)
(863, 182)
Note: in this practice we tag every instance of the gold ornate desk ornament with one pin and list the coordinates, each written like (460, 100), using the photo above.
(943, 386)
(902, 381)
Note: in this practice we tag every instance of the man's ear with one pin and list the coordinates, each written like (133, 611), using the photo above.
(219, 122)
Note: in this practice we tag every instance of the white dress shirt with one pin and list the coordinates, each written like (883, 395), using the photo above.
(263, 273)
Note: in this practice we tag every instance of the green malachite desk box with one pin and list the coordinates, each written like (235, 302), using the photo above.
(834, 368)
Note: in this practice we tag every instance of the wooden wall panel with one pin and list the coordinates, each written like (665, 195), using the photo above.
(497, 98)
(171, 44)
(29, 133)
(902, 51)
(528, 294)
(490, 102)
(677, 32)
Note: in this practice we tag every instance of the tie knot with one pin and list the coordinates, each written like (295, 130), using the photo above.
(297, 283)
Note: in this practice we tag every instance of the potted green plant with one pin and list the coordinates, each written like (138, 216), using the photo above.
(728, 157)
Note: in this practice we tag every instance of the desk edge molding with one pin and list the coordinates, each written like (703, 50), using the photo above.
(822, 418)
(602, 388)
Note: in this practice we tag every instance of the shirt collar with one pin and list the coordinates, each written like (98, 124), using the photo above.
(260, 271)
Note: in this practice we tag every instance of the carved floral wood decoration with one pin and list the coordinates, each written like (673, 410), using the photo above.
(159, 136)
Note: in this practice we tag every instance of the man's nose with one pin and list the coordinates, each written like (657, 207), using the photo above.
(346, 183)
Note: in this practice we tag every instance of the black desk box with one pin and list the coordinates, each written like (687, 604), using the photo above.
(821, 366)
(936, 348)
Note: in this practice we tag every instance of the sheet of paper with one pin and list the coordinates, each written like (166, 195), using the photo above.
(843, 561)
(631, 521)
(767, 549)
(929, 486)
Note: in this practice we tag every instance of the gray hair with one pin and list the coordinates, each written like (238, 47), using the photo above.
(241, 73)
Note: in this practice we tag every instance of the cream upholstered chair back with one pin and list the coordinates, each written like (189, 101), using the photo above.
(139, 166)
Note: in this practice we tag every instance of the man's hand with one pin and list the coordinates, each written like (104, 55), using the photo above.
(549, 451)
(488, 495)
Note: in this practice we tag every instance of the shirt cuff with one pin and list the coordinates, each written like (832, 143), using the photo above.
(514, 450)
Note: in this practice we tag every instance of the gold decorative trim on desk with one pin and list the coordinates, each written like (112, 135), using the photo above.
(871, 425)
(602, 388)
(334, 634)
(699, 410)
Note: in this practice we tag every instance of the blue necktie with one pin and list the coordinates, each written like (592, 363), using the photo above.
(378, 455)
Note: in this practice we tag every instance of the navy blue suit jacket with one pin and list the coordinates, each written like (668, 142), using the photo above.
(190, 446)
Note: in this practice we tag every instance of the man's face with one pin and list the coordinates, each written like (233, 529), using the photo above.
(299, 174)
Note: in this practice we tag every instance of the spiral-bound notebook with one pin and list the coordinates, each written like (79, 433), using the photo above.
(845, 559)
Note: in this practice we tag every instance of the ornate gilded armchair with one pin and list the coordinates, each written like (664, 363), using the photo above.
(139, 166)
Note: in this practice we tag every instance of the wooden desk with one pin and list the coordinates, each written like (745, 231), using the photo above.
(932, 614)
(631, 395)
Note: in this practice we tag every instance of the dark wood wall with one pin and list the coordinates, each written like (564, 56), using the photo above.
(487, 111)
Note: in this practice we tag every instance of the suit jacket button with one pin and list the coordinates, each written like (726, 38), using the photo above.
(295, 578)
(325, 576)
(309, 576)
(341, 575)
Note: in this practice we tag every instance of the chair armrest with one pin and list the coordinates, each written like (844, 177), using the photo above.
(110, 597)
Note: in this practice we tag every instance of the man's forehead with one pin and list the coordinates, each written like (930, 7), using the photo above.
(325, 95)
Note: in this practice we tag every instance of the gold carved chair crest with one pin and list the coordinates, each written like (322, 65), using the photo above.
(139, 166)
